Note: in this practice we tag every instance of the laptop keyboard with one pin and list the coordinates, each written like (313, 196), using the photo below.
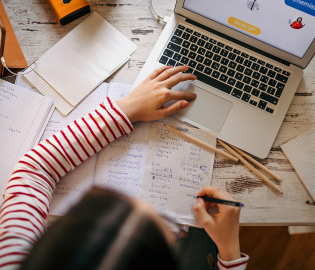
(230, 70)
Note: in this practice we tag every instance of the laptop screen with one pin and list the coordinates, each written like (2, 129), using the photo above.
(288, 25)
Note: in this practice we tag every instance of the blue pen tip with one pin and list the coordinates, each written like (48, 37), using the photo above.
(242, 205)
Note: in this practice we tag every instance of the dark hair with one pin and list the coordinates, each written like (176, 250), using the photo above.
(298, 19)
(92, 235)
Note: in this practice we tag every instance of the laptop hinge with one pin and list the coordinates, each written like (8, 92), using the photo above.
(243, 44)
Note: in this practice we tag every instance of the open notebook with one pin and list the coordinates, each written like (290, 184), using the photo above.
(23, 114)
(70, 70)
(123, 164)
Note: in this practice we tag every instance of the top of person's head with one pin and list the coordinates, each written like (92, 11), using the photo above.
(105, 230)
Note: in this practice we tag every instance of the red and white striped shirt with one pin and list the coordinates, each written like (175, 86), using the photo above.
(25, 207)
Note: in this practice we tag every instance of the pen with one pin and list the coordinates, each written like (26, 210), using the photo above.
(214, 200)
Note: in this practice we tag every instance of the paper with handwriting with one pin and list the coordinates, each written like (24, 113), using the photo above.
(22, 115)
(120, 164)
(176, 169)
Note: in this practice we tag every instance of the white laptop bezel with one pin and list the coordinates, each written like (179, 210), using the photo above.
(301, 62)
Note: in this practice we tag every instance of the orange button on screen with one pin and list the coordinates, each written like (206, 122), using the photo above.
(244, 26)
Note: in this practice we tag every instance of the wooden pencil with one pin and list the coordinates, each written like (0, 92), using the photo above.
(202, 143)
(250, 166)
(256, 162)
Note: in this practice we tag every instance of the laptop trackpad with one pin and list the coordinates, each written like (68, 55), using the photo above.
(207, 109)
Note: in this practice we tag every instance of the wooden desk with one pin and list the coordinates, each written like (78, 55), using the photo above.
(37, 30)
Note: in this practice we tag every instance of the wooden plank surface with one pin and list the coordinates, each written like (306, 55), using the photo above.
(37, 30)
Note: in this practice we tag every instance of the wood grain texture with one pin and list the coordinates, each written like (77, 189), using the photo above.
(273, 248)
(37, 30)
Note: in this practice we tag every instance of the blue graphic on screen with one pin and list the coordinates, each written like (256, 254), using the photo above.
(304, 6)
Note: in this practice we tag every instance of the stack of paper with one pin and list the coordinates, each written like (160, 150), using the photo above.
(23, 117)
(81, 61)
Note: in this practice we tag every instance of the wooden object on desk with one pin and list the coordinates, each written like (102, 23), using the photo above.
(12, 54)
(37, 30)
(266, 170)
(249, 166)
(202, 143)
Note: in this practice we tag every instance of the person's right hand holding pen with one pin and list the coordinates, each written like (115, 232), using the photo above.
(222, 227)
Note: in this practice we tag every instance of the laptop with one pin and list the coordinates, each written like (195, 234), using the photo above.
(248, 56)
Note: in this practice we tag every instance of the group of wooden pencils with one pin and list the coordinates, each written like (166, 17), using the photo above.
(236, 155)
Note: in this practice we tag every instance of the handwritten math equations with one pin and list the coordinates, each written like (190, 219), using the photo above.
(176, 170)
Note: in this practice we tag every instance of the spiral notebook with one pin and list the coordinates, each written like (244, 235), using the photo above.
(301, 154)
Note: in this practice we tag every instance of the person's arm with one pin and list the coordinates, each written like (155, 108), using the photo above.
(25, 207)
(222, 227)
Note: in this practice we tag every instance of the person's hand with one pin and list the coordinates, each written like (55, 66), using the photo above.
(145, 102)
(223, 226)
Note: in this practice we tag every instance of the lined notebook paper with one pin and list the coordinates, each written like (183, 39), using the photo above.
(84, 58)
(301, 153)
(23, 114)
(176, 169)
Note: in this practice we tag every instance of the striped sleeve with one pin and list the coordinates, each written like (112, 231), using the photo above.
(239, 264)
(25, 207)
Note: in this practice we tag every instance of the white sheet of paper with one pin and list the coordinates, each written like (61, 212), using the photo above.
(43, 87)
(301, 153)
(84, 58)
(21, 81)
(120, 165)
(22, 115)
(176, 170)
(24, 83)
